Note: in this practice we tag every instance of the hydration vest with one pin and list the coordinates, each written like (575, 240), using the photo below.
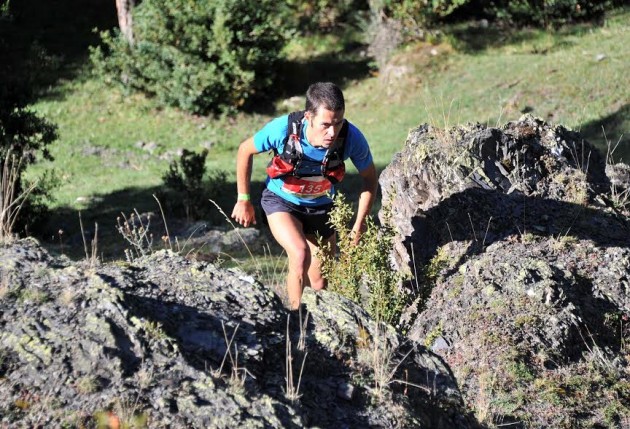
(293, 162)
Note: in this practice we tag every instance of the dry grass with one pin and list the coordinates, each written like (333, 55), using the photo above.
(619, 194)
(144, 377)
(67, 297)
(86, 385)
(135, 230)
(238, 374)
(292, 390)
(483, 400)
(126, 413)
(91, 257)
(10, 202)
(380, 356)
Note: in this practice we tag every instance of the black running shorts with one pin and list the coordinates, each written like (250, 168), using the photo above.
(314, 219)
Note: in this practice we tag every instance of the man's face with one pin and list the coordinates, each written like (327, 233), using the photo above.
(324, 126)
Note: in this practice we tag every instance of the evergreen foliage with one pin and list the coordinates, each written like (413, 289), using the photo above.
(545, 13)
(23, 135)
(202, 56)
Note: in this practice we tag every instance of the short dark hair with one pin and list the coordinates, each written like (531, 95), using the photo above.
(325, 94)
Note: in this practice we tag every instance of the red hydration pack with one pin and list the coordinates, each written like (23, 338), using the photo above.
(293, 162)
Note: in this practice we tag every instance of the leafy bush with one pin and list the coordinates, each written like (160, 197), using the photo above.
(186, 189)
(363, 272)
(202, 56)
(23, 135)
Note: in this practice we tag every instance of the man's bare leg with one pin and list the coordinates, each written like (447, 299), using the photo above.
(287, 230)
(315, 279)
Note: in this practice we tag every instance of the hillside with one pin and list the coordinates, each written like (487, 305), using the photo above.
(518, 311)
(114, 148)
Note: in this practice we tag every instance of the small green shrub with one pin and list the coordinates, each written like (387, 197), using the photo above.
(87, 384)
(33, 295)
(186, 190)
(23, 135)
(202, 56)
(155, 331)
(363, 272)
(434, 334)
(423, 11)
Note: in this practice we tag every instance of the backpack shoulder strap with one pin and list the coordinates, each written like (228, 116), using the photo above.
(295, 123)
(292, 146)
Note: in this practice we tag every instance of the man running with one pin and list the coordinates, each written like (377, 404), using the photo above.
(309, 148)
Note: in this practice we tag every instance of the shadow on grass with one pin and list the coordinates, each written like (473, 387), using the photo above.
(613, 129)
(104, 210)
(471, 37)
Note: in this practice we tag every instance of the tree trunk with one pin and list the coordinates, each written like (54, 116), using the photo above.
(125, 21)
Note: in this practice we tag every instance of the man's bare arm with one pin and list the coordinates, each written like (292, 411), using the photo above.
(366, 199)
(243, 211)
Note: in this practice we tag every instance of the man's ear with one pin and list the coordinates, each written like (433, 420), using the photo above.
(308, 115)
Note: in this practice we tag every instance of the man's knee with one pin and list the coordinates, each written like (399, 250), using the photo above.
(299, 258)
(318, 284)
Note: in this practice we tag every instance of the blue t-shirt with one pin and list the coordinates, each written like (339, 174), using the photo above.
(273, 135)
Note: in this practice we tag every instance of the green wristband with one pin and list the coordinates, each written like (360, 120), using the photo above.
(243, 197)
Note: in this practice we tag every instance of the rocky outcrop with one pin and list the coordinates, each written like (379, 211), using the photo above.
(477, 184)
(169, 342)
(522, 245)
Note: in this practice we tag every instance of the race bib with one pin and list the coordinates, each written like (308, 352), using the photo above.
(306, 187)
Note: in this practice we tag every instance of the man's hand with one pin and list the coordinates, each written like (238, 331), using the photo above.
(356, 232)
(243, 213)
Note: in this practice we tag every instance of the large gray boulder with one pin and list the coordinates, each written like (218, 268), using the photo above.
(146, 344)
(478, 184)
(522, 249)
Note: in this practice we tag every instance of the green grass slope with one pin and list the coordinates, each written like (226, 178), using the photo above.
(576, 77)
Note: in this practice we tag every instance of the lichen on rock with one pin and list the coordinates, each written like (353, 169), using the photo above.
(529, 299)
(169, 342)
